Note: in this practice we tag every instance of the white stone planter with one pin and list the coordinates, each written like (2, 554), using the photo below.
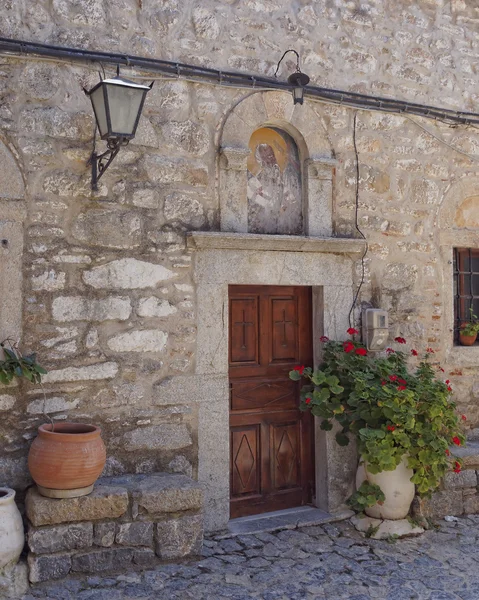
(397, 487)
(12, 537)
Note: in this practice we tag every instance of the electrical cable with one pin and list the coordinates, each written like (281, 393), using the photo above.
(356, 223)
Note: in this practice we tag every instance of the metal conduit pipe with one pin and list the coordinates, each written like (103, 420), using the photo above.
(230, 78)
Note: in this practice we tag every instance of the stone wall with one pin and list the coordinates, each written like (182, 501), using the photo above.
(108, 292)
(125, 522)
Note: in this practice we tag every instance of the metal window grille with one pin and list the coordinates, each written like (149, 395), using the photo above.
(466, 287)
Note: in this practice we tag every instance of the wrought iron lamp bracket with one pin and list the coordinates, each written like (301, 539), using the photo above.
(101, 162)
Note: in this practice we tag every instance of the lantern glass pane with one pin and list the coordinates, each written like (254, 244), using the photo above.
(298, 94)
(98, 102)
(124, 103)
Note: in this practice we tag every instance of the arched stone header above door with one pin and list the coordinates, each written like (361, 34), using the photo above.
(304, 125)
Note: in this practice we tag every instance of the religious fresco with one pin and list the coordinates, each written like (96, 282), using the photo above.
(274, 183)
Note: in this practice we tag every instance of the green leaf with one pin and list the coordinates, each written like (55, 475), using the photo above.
(294, 375)
(342, 439)
(326, 425)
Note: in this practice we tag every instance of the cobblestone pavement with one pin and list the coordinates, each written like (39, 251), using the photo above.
(329, 562)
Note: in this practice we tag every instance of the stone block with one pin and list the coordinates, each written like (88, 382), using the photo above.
(14, 581)
(135, 534)
(127, 274)
(43, 568)
(471, 504)
(149, 340)
(181, 537)
(106, 370)
(104, 534)
(79, 308)
(105, 502)
(158, 437)
(144, 557)
(155, 307)
(442, 503)
(109, 228)
(6, 402)
(160, 494)
(59, 538)
(98, 561)
(464, 479)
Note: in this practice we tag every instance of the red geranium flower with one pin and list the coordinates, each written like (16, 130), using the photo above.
(401, 387)
(457, 467)
(383, 382)
(389, 350)
(463, 417)
(299, 369)
(441, 369)
(361, 351)
(429, 350)
(447, 451)
(352, 331)
(414, 352)
(447, 382)
(348, 346)
(400, 340)
(391, 428)
(307, 400)
(456, 441)
(403, 381)
(449, 388)
(393, 377)
(324, 338)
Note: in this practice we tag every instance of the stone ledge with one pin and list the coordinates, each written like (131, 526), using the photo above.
(204, 240)
(127, 521)
(159, 493)
(105, 502)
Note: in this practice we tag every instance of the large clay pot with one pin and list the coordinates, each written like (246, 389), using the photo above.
(397, 487)
(66, 463)
(12, 537)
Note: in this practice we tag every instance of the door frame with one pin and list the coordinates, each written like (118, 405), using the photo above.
(230, 260)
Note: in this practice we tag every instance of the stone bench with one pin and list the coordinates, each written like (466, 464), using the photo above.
(126, 521)
(459, 491)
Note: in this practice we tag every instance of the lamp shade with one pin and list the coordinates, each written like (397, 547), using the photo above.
(298, 80)
(117, 104)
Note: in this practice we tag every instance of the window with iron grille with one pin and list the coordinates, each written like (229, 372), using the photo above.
(466, 286)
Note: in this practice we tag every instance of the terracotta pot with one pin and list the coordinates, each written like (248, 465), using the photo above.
(66, 463)
(12, 537)
(467, 340)
(396, 486)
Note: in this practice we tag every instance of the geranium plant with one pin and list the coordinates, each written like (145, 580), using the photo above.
(392, 410)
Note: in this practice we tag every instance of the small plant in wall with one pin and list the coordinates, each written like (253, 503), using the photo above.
(65, 459)
(404, 420)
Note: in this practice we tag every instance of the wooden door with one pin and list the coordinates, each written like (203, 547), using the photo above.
(271, 461)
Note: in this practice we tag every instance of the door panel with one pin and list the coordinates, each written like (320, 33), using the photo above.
(271, 439)
(245, 460)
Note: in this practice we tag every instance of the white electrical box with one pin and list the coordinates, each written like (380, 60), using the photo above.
(375, 329)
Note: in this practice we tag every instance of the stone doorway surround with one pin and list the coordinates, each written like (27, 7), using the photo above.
(234, 256)
(222, 259)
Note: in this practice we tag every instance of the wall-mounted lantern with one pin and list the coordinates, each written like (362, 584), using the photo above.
(117, 104)
(297, 80)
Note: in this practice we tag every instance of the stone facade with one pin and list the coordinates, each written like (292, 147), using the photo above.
(125, 522)
(104, 285)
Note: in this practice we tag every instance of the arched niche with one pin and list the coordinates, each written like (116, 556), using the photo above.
(276, 110)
